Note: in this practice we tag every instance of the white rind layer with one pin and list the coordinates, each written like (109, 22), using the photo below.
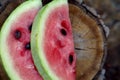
(4, 53)
(37, 35)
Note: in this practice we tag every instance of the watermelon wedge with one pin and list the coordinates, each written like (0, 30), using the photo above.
(52, 42)
(15, 50)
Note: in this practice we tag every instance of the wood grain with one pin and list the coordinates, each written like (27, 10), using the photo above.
(88, 41)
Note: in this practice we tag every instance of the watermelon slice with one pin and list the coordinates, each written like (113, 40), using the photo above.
(52, 42)
(15, 42)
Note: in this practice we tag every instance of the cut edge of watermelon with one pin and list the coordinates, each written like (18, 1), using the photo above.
(4, 52)
(37, 40)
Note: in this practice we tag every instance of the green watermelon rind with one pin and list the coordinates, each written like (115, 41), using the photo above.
(37, 35)
(4, 50)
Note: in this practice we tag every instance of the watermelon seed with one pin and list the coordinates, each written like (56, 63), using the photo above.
(17, 34)
(63, 32)
(30, 27)
(27, 46)
(70, 59)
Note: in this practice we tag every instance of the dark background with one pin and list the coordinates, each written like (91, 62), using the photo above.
(110, 13)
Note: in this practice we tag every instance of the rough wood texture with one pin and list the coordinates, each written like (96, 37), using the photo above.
(89, 40)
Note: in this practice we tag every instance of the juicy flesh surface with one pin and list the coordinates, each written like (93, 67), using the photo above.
(22, 58)
(58, 44)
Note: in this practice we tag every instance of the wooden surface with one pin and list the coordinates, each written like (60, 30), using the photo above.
(89, 43)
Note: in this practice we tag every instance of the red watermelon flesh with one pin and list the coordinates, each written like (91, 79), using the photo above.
(58, 43)
(19, 46)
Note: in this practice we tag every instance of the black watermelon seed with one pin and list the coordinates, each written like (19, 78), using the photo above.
(27, 46)
(17, 34)
(30, 27)
(63, 32)
(70, 59)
